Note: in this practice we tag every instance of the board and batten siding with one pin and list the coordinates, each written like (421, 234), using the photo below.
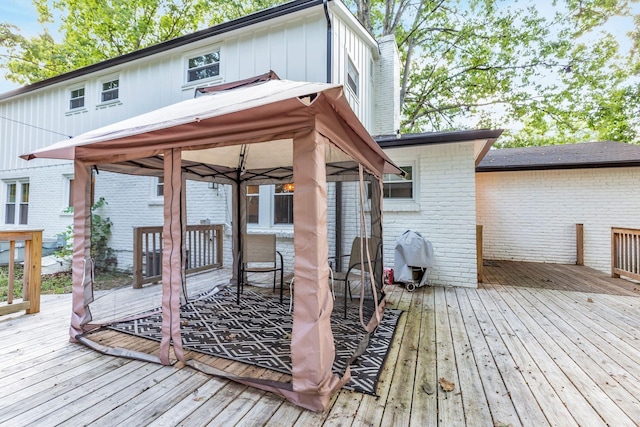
(348, 45)
(295, 49)
(532, 215)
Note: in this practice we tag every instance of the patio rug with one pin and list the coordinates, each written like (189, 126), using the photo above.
(258, 332)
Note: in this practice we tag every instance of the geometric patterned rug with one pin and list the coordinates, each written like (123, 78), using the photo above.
(258, 332)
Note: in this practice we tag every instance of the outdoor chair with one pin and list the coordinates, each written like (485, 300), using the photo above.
(259, 255)
(355, 272)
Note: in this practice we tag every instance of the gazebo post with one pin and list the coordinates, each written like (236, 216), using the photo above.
(81, 266)
(171, 256)
(312, 345)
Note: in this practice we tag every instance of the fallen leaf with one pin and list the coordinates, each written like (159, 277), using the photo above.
(198, 399)
(589, 300)
(446, 385)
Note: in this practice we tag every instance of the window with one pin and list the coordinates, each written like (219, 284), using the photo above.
(110, 90)
(203, 66)
(160, 187)
(270, 205)
(396, 187)
(70, 201)
(77, 98)
(17, 204)
(283, 204)
(353, 78)
(253, 204)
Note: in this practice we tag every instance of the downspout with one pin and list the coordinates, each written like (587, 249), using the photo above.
(338, 195)
(325, 3)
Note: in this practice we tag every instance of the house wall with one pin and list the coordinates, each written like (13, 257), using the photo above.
(532, 215)
(294, 46)
(443, 210)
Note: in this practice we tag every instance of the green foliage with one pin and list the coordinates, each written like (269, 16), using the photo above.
(60, 283)
(552, 71)
(100, 233)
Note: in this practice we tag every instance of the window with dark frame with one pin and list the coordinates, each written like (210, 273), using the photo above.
(203, 66)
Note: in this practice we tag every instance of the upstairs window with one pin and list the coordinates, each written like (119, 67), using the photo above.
(110, 90)
(77, 98)
(353, 79)
(203, 66)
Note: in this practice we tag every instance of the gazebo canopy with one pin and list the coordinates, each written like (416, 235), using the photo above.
(266, 131)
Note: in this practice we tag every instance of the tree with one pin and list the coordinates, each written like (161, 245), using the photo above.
(471, 63)
(484, 63)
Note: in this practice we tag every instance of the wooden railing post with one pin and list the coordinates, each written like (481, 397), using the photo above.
(625, 252)
(614, 252)
(203, 246)
(579, 244)
(479, 251)
(32, 270)
(137, 258)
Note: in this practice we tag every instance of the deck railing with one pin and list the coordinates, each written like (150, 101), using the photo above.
(32, 270)
(203, 244)
(625, 252)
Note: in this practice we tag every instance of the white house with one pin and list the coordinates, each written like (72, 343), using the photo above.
(310, 40)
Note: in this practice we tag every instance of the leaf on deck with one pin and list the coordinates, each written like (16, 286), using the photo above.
(446, 385)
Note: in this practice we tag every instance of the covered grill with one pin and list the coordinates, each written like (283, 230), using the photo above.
(413, 257)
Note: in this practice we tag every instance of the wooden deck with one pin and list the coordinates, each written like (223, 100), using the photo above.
(537, 344)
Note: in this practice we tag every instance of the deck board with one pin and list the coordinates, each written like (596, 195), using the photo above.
(536, 344)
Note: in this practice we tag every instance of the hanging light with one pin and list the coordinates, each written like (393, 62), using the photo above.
(289, 187)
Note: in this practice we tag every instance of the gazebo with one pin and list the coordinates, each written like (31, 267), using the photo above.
(258, 131)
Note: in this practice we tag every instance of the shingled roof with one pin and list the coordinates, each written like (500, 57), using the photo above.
(569, 156)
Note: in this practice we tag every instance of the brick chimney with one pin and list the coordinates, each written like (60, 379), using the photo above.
(386, 89)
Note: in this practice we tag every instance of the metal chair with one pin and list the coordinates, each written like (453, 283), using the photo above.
(355, 272)
(259, 255)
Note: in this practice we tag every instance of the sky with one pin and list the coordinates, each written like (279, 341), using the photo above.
(23, 14)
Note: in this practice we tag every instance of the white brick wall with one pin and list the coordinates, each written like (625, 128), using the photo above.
(443, 212)
(531, 215)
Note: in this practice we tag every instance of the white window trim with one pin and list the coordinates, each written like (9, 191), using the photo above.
(18, 182)
(106, 79)
(202, 82)
(266, 216)
(68, 98)
(66, 192)
(154, 199)
(409, 204)
(351, 65)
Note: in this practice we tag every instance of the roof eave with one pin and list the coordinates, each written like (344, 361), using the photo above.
(245, 21)
(559, 166)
